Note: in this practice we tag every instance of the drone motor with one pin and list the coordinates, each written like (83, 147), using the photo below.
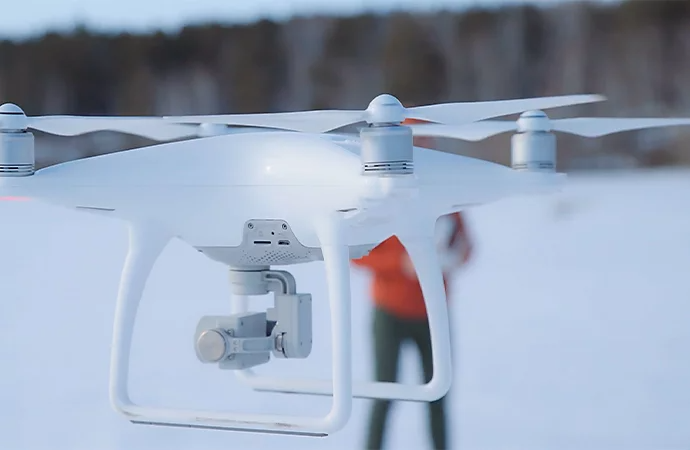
(386, 150)
(533, 148)
(17, 158)
(386, 146)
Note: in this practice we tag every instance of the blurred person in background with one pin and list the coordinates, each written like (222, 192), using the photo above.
(400, 315)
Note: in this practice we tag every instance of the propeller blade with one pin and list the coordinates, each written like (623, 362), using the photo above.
(317, 121)
(583, 126)
(602, 126)
(149, 127)
(471, 132)
(467, 112)
(321, 121)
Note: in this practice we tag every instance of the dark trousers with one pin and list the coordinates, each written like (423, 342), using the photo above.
(390, 333)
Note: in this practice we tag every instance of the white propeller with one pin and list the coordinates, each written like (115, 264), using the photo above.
(138, 126)
(383, 109)
(387, 109)
(602, 126)
(537, 121)
(13, 118)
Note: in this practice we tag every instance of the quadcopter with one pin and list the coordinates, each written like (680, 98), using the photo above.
(289, 189)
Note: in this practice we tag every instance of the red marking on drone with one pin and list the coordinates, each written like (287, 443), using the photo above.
(10, 198)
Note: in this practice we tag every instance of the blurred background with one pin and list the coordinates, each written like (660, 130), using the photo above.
(162, 58)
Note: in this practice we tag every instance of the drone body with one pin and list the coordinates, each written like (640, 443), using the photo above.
(207, 191)
(260, 198)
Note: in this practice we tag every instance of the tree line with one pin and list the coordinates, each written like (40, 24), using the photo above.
(636, 53)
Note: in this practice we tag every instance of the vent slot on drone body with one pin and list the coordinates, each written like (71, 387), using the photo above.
(399, 167)
(534, 166)
(273, 257)
(17, 169)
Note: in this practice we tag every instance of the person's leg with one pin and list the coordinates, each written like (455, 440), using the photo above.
(437, 411)
(387, 344)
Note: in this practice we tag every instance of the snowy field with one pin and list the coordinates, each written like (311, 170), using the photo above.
(572, 331)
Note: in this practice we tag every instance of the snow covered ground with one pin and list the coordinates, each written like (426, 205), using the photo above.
(572, 328)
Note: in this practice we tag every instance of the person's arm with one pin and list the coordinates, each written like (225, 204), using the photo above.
(461, 241)
(464, 234)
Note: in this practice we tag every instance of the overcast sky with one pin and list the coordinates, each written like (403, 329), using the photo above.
(21, 18)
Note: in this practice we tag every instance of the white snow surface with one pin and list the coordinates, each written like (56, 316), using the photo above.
(571, 329)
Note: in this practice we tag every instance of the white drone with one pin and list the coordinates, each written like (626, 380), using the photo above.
(290, 192)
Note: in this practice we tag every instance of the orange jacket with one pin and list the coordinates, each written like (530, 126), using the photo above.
(391, 289)
(420, 141)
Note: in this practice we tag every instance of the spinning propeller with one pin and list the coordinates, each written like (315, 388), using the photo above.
(533, 147)
(384, 109)
(537, 121)
(12, 118)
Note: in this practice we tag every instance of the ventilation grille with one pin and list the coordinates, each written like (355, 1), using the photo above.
(397, 167)
(17, 169)
(275, 257)
(536, 165)
(270, 257)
